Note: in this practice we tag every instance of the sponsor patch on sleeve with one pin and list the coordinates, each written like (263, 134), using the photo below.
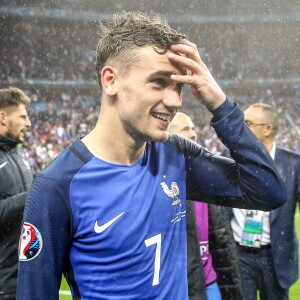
(31, 242)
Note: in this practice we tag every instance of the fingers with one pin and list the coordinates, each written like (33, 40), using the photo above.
(204, 87)
(188, 58)
(187, 42)
(192, 69)
(188, 50)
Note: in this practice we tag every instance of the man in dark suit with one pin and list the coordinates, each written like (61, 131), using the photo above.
(268, 246)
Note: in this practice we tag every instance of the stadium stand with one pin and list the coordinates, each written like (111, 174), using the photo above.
(49, 50)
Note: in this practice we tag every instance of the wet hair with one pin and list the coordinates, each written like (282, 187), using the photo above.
(126, 33)
(12, 96)
(270, 115)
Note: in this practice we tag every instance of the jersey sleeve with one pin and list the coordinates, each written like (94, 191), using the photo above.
(44, 240)
(249, 180)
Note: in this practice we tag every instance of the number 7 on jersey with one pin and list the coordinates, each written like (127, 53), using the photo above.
(149, 242)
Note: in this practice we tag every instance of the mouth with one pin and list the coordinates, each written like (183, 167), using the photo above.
(163, 117)
(22, 134)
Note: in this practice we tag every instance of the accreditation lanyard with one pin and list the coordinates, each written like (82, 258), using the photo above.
(252, 228)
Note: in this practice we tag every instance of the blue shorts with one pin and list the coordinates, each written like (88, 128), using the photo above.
(213, 292)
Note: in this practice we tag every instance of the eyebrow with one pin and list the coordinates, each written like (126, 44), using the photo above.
(162, 74)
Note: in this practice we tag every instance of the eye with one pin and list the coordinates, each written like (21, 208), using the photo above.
(160, 83)
(248, 123)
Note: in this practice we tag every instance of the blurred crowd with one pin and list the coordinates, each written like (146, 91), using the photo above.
(58, 118)
(62, 49)
(65, 50)
(46, 52)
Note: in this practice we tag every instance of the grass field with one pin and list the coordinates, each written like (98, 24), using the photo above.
(294, 290)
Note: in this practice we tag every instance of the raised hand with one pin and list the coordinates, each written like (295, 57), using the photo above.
(195, 73)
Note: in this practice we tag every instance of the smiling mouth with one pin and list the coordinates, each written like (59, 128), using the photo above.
(164, 117)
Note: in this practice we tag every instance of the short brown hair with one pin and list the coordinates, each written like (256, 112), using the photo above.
(12, 96)
(128, 31)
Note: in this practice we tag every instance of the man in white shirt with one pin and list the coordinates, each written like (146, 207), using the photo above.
(267, 243)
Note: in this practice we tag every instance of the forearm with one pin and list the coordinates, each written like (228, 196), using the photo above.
(250, 180)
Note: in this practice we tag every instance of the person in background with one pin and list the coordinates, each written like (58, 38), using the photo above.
(109, 211)
(213, 266)
(16, 177)
(267, 242)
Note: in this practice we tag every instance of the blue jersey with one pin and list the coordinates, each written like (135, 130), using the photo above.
(118, 232)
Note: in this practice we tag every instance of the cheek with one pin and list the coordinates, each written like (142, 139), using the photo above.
(18, 127)
(185, 134)
(258, 134)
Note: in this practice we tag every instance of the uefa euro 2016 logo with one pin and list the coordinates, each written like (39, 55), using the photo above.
(31, 242)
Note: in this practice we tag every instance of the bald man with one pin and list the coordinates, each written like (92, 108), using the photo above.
(208, 234)
(183, 125)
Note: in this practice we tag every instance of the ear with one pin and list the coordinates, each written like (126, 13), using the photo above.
(3, 116)
(268, 130)
(109, 80)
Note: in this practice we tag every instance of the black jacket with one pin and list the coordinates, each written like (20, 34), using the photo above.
(224, 255)
(16, 177)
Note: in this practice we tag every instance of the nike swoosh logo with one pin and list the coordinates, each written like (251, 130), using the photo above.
(101, 228)
(2, 165)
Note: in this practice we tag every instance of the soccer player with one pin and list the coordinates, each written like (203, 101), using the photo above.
(109, 212)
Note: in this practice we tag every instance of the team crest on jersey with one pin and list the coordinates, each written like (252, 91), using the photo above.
(31, 242)
(173, 192)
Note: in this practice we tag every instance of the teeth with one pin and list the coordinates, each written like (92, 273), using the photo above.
(163, 117)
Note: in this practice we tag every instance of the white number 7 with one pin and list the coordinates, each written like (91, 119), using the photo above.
(149, 242)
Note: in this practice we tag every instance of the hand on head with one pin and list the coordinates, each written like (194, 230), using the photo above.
(186, 57)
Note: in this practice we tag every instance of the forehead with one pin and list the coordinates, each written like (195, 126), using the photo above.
(16, 110)
(253, 113)
(183, 121)
(150, 61)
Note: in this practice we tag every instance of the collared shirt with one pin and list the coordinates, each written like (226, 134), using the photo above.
(238, 221)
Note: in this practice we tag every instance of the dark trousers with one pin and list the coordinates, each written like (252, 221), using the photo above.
(258, 274)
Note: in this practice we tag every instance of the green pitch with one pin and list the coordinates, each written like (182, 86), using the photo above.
(294, 290)
(64, 293)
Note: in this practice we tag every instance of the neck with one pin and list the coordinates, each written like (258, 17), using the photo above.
(269, 145)
(109, 142)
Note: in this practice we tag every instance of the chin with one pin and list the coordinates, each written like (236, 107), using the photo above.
(14, 137)
(160, 138)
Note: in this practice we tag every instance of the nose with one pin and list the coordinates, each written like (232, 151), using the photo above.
(27, 122)
(172, 99)
(193, 135)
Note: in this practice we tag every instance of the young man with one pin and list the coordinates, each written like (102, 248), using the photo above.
(16, 178)
(268, 246)
(209, 234)
(110, 211)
